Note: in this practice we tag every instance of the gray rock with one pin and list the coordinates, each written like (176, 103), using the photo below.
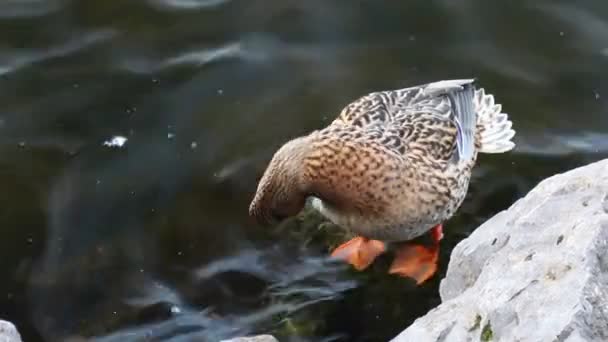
(8, 332)
(258, 338)
(535, 272)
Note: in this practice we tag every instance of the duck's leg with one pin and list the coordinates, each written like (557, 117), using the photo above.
(359, 251)
(418, 261)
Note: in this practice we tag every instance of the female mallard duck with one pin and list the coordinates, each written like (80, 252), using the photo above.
(393, 166)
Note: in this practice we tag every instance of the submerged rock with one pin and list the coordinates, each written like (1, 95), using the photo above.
(258, 338)
(8, 332)
(535, 272)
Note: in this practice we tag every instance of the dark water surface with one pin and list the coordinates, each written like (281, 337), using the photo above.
(152, 241)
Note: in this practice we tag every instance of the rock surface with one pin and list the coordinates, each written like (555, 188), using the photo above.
(8, 332)
(535, 272)
(258, 338)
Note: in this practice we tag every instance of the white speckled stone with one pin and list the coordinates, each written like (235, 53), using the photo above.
(258, 338)
(8, 332)
(535, 272)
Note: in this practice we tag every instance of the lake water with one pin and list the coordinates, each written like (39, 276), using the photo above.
(151, 240)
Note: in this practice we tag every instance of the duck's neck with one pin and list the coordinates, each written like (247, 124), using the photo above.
(321, 175)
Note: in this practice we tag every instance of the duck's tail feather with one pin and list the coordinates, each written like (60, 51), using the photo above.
(465, 118)
(493, 126)
(461, 94)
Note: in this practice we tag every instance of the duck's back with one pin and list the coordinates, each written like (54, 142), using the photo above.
(419, 130)
(409, 122)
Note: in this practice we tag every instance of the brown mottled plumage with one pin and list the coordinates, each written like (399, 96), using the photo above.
(393, 164)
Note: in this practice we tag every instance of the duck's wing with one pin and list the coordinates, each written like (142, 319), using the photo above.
(416, 114)
(387, 106)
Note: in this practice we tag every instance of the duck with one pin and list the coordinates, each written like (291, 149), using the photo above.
(393, 166)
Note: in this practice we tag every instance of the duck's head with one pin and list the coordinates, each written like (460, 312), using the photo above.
(281, 192)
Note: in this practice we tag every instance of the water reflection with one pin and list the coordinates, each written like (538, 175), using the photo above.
(152, 240)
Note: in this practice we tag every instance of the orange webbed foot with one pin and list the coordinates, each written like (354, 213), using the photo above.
(416, 260)
(359, 251)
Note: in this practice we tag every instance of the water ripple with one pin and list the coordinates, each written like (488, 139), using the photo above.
(196, 58)
(17, 9)
(255, 47)
(16, 60)
(186, 4)
(563, 144)
(590, 28)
